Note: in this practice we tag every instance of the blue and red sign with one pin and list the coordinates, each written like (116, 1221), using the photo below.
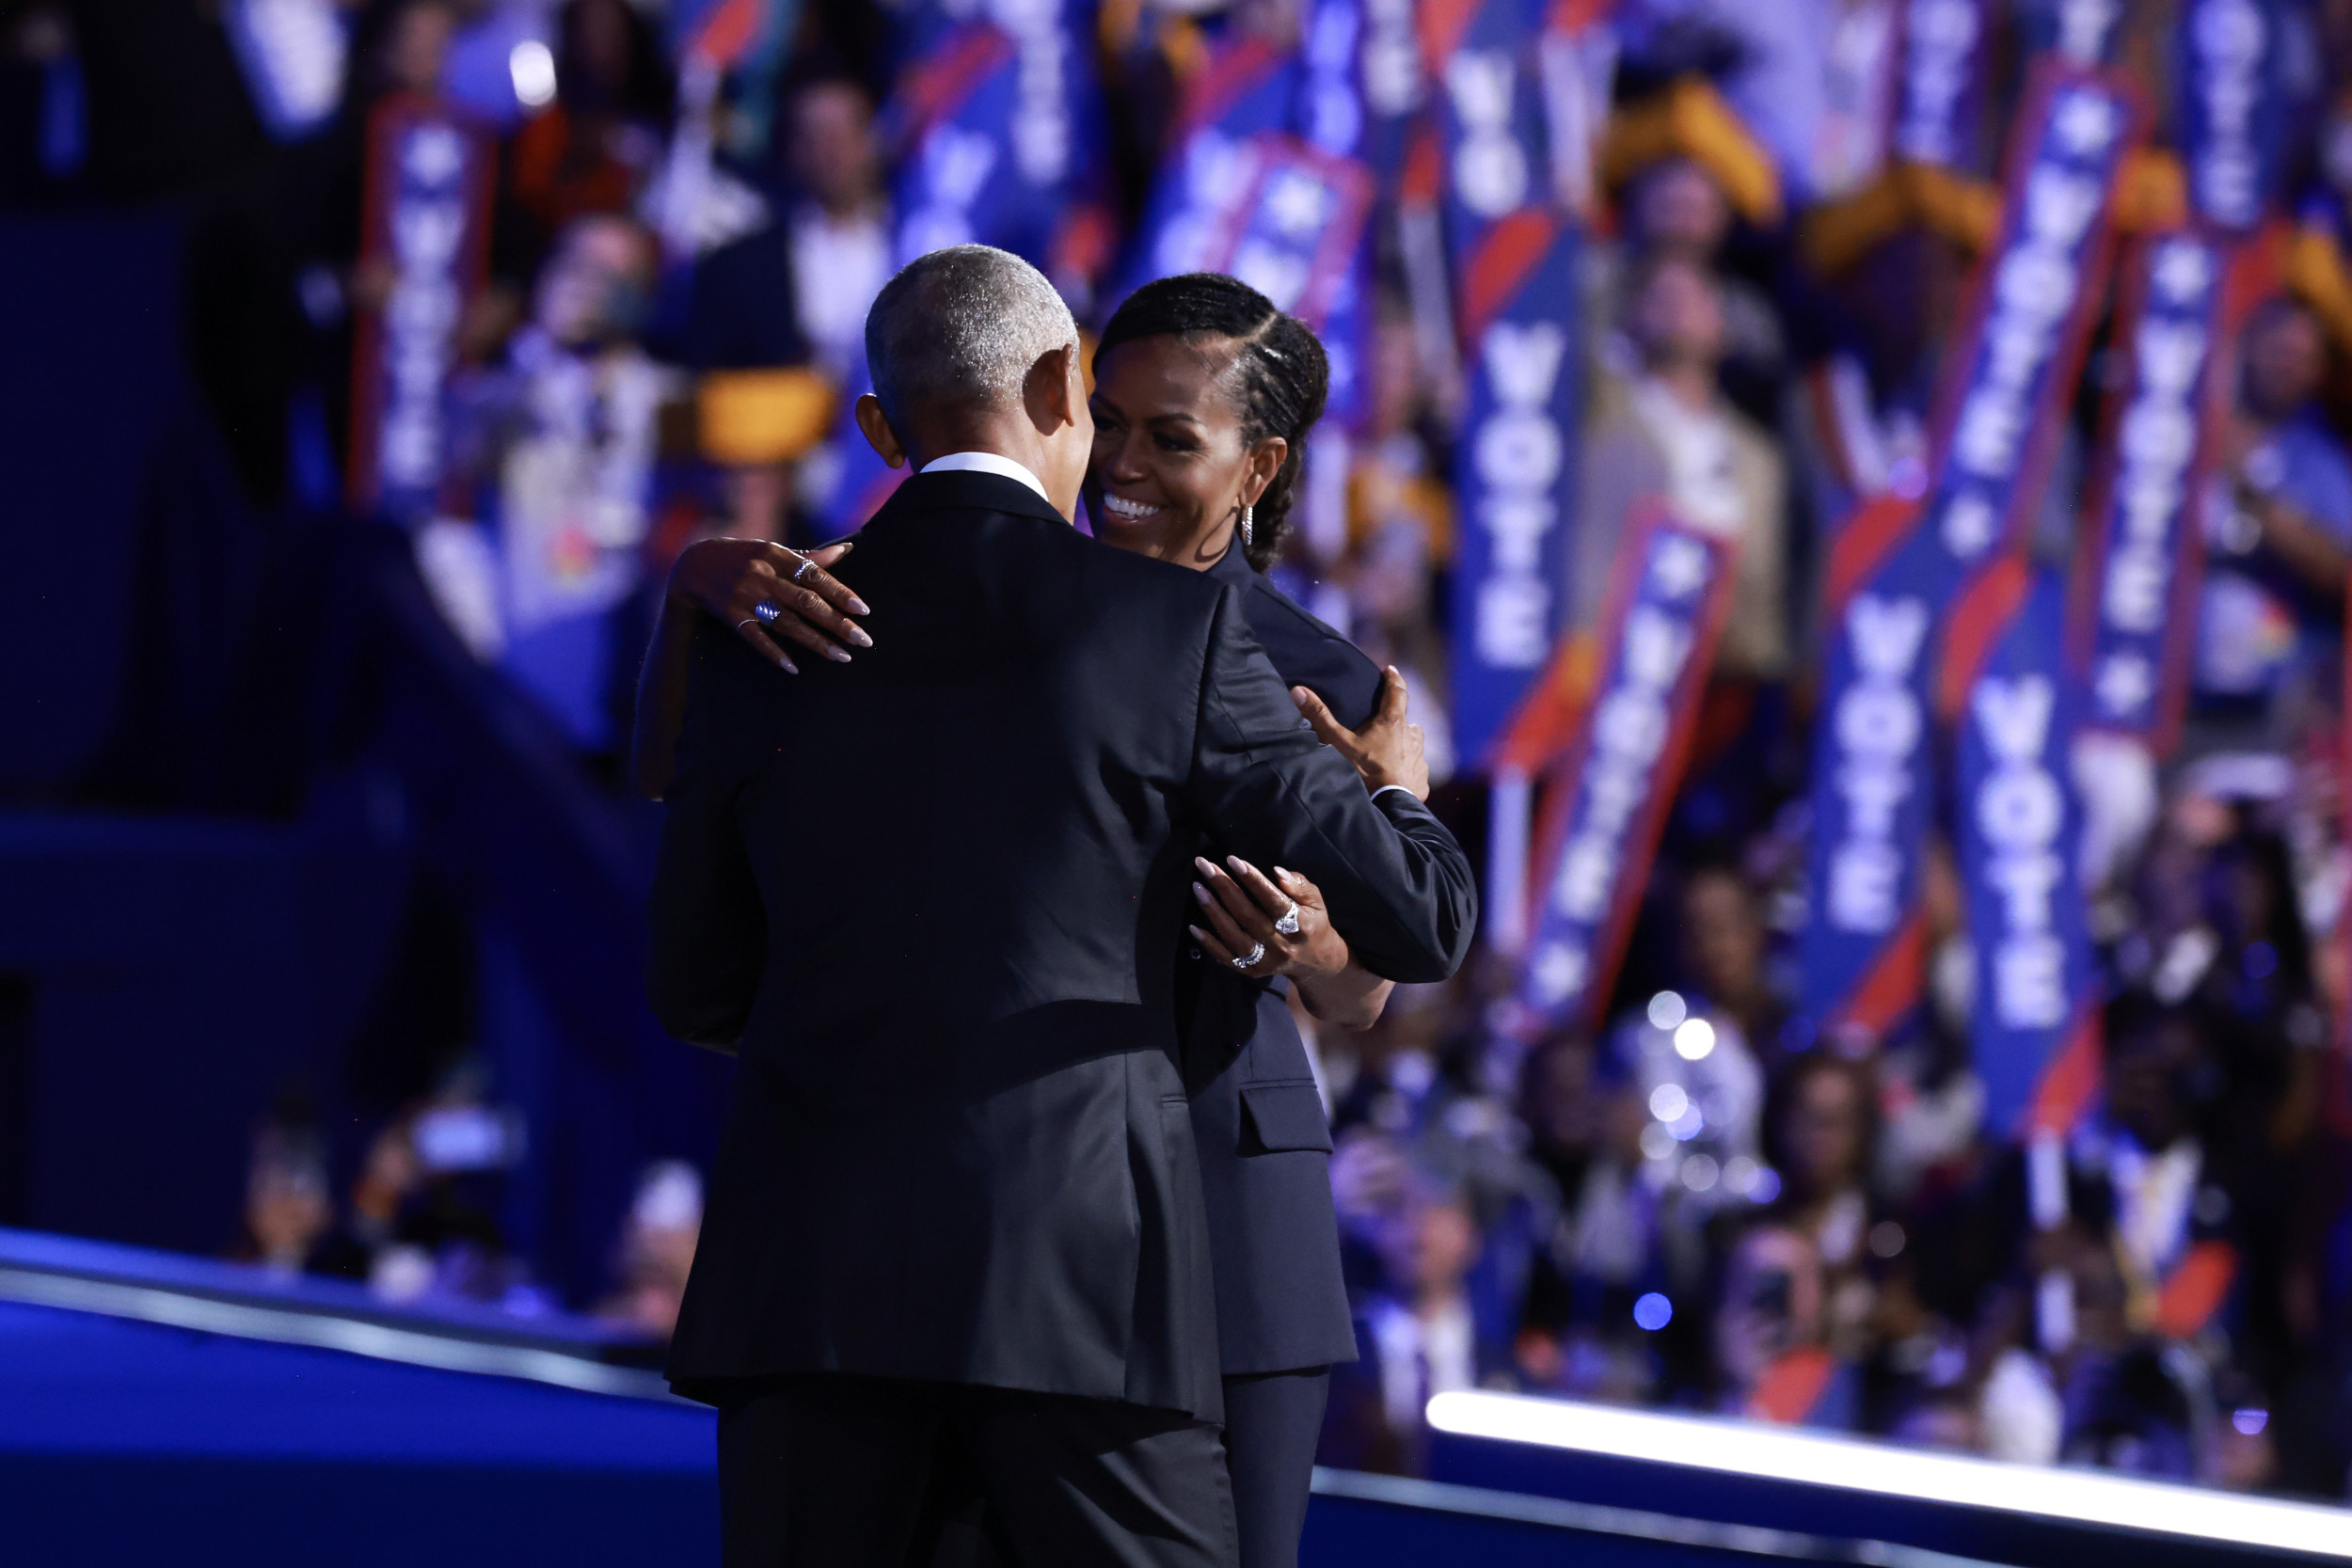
(1912, 603)
(1000, 130)
(1246, 88)
(1619, 773)
(1296, 231)
(2018, 830)
(2136, 614)
(426, 215)
(1516, 307)
(2234, 108)
(1939, 85)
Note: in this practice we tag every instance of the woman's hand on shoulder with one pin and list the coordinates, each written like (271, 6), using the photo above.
(1281, 920)
(730, 580)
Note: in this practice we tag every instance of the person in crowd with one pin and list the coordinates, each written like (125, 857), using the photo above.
(1585, 1117)
(1773, 1356)
(43, 128)
(973, 565)
(1400, 524)
(1800, 1300)
(656, 1251)
(1418, 1336)
(797, 289)
(1675, 442)
(1675, 209)
(419, 1224)
(1930, 1099)
(556, 449)
(1702, 1083)
(398, 48)
(289, 1213)
(1724, 938)
(2272, 596)
(794, 291)
(594, 147)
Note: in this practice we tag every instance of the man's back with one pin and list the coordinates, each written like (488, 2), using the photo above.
(937, 895)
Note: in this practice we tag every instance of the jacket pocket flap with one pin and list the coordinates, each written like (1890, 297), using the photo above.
(1285, 1117)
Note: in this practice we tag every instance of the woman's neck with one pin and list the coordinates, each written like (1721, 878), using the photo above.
(1198, 550)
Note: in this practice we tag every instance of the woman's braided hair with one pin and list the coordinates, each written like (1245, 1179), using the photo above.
(1281, 375)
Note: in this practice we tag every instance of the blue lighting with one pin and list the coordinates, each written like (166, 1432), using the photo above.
(1653, 1312)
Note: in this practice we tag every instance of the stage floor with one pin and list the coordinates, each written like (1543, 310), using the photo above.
(128, 1442)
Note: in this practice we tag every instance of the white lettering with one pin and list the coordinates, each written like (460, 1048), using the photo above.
(1877, 727)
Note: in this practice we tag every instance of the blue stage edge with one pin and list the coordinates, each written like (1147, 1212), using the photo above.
(156, 1409)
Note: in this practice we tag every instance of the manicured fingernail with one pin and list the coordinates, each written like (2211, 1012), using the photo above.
(857, 635)
(1198, 934)
(1238, 865)
(789, 667)
(1200, 892)
(1208, 867)
(1286, 876)
(836, 655)
(858, 606)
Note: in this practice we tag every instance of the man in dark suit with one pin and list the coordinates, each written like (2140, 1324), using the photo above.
(933, 897)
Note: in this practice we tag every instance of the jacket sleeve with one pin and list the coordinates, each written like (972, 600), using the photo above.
(1399, 887)
(710, 929)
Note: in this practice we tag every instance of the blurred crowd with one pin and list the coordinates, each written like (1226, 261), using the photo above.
(1698, 1205)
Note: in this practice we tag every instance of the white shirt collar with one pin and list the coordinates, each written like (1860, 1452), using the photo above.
(987, 463)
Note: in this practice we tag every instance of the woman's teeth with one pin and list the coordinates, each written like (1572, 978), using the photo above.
(1119, 507)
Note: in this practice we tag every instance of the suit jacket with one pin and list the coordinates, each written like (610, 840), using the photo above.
(1265, 1144)
(934, 897)
(743, 311)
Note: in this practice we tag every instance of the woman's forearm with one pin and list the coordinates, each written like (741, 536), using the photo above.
(661, 699)
(1353, 998)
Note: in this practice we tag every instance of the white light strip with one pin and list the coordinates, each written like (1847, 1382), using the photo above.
(1601, 1519)
(324, 1331)
(1777, 1453)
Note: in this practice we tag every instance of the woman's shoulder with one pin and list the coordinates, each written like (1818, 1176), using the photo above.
(1311, 653)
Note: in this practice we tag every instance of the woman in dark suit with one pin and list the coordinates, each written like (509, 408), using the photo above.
(1204, 396)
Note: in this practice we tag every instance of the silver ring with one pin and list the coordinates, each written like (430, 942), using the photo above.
(769, 611)
(1287, 925)
(806, 562)
(745, 622)
(1256, 953)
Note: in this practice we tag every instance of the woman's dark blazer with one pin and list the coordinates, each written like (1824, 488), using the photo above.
(1263, 1142)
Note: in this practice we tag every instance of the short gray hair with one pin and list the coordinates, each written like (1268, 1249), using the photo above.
(960, 327)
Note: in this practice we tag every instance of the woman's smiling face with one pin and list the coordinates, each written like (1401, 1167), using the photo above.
(1171, 470)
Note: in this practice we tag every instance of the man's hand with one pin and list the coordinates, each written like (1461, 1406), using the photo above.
(1387, 750)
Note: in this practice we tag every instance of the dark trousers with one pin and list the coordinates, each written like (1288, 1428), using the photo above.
(833, 1471)
(1271, 1423)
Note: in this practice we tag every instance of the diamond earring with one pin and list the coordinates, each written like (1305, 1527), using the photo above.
(1245, 524)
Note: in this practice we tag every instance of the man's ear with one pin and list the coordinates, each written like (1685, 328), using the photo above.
(1054, 389)
(878, 432)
